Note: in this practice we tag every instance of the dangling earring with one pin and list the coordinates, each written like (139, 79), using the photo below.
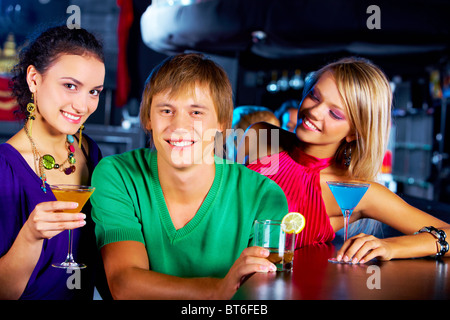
(348, 156)
(81, 135)
(31, 108)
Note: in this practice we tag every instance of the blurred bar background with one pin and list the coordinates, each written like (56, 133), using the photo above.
(267, 47)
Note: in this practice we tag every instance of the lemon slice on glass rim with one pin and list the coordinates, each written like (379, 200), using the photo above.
(293, 222)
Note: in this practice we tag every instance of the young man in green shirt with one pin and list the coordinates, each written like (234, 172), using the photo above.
(177, 223)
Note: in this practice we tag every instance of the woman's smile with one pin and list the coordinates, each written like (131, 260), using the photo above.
(309, 125)
(72, 118)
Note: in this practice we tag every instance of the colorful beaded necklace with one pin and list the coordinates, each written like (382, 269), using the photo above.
(48, 161)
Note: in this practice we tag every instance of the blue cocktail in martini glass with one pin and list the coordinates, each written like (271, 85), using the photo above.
(347, 195)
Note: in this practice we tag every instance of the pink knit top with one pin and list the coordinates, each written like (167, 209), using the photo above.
(300, 181)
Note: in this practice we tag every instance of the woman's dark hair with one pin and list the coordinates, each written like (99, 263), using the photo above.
(43, 50)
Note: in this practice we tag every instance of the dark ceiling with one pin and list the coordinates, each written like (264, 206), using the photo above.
(286, 30)
(304, 27)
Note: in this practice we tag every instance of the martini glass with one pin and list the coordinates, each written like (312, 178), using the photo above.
(347, 195)
(73, 193)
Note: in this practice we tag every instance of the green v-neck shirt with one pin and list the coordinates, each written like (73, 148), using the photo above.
(129, 205)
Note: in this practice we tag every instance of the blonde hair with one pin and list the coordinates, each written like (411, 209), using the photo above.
(183, 72)
(367, 96)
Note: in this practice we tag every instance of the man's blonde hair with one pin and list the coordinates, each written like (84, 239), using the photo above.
(367, 96)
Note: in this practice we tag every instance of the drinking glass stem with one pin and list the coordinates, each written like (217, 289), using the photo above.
(69, 258)
(347, 214)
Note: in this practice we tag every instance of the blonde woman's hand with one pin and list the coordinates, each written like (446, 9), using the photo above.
(47, 219)
(363, 248)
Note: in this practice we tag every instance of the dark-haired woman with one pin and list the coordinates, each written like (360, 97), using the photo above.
(57, 83)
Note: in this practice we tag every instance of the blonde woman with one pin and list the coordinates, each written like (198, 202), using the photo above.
(341, 135)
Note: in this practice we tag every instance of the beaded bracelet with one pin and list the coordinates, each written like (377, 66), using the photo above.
(440, 235)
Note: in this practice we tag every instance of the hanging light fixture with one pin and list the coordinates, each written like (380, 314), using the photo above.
(283, 82)
(272, 87)
(297, 81)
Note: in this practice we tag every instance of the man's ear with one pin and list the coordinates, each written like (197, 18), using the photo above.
(33, 78)
(221, 127)
(148, 125)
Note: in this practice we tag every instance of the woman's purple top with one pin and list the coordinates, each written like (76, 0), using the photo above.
(20, 192)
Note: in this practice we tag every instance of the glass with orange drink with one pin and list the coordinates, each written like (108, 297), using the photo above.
(72, 193)
(278, 236)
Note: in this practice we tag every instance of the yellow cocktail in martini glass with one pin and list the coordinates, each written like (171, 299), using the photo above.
(73, 193)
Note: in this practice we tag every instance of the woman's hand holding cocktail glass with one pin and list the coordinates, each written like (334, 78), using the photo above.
(363, 248)
(347, 195)
(48, 219)
(80, 194)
